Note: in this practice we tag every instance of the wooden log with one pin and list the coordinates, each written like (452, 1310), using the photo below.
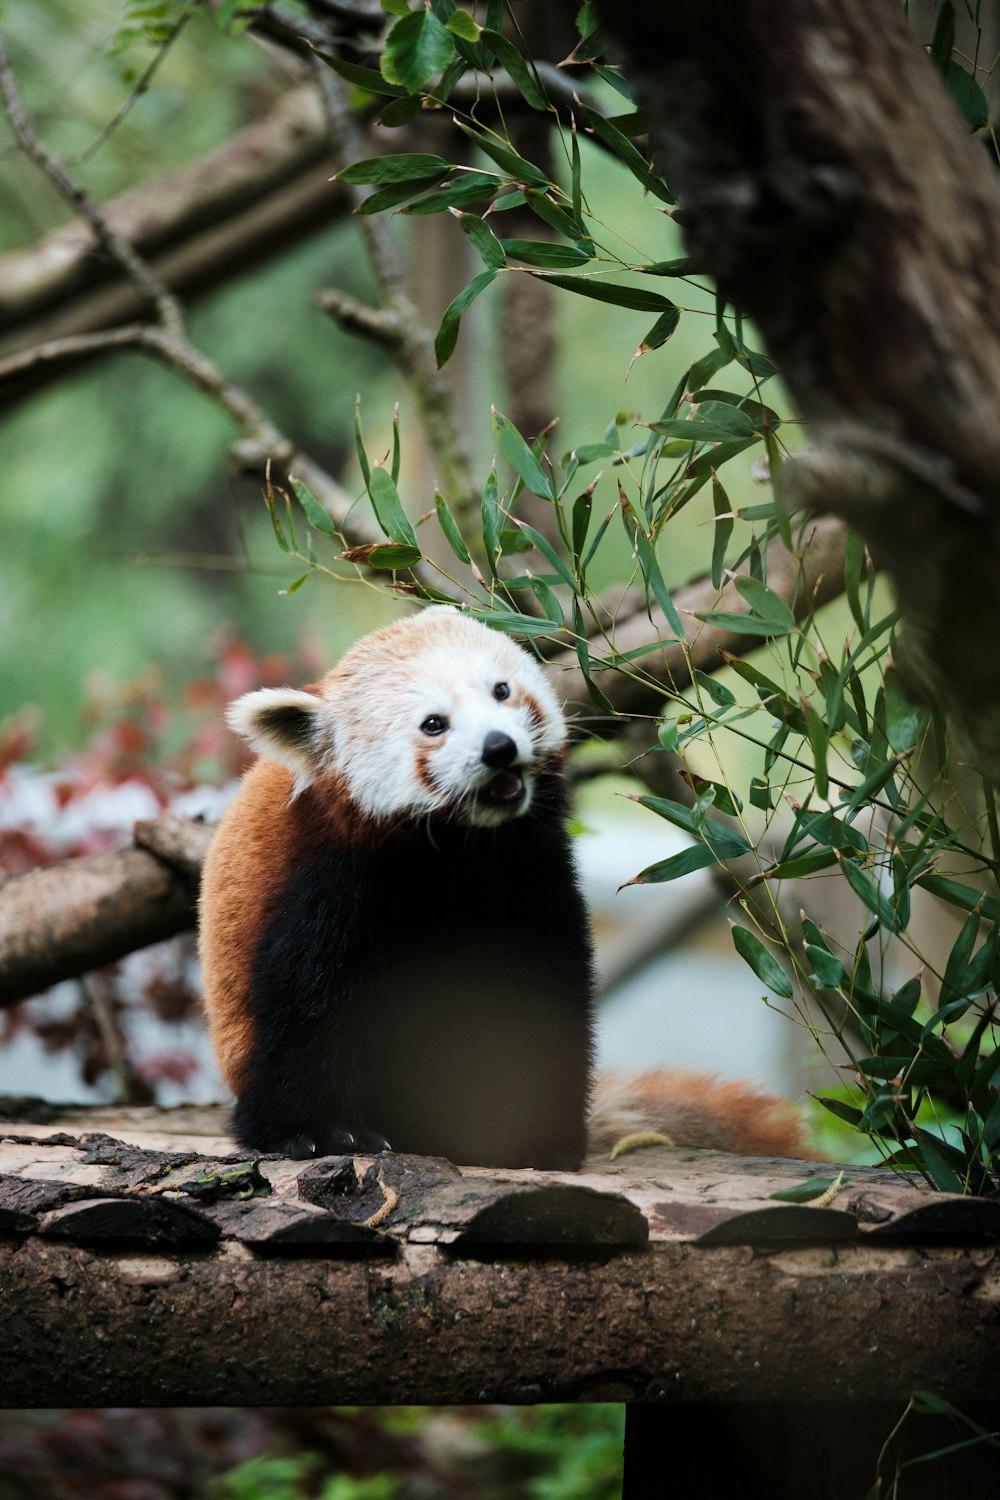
(313, 1293)
(65, 919)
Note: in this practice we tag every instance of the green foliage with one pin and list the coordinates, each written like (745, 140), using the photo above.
(844, 776)
(546, 1453)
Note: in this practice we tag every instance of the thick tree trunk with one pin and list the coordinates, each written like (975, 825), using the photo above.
(834, 193)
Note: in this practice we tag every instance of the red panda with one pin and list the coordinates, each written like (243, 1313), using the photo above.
(394, 948)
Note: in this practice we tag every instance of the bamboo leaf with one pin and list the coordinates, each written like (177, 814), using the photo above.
(405, 167)
(520, 457)
(389, 510)
(447, 334)
(767, 969)
(416, 48)
(449, 528)
(637, 298)
(525, 78)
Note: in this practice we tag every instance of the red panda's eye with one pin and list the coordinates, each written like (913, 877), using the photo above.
(434, 724)
(501, 691)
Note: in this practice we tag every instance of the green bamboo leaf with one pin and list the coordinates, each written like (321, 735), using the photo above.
(520, 457)
(820, 746)
(525, 78)
(485, 241)
(317, 517)
(842, 1111)
(389, 510)
(467, 187)
(963, 896)
(903, 722)
(400, 111)
(513, 165)
(653, 579)
(582, 507)
(711, 363)
(387, 556)
(559, 218)
(941, 1161)
(716, 690)
(461, 24)
(364, 78)
(698, 857)
(969, 97)
(449, 528)
(764, 601)
(416, 48)
(492, 520)
(392, 196)
(664, 327)
(740, 624)
(279, 534)
(828, 972)
(636, 298)
(544, 253)
(514, 624)
(767, 969)
(447, 334)
(869, 894)
(622, 147)
(545, 547)
(705, 429)
(359, 443)
(576, 191)
(723, 530)
(760, 794)
(802, 864)
(715, 458)
(404, 167)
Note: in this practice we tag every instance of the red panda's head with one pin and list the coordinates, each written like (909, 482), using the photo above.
(432, 715)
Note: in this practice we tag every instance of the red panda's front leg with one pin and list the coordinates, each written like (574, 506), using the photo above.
(302, 1093)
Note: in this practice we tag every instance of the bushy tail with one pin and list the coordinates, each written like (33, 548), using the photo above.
(693, 1109)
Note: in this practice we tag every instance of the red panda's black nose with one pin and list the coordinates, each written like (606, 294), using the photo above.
(499, 750)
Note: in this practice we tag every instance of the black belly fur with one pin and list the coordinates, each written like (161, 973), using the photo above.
(436, 992)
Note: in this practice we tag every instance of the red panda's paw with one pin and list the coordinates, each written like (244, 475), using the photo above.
(326, 1140)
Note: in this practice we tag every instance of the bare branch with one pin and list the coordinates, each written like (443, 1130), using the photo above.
(62, 921)
(262, 165)
(117, 246)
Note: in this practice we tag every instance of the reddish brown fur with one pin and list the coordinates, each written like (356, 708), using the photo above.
(695, 1109)
(532, 707)
(261, 836)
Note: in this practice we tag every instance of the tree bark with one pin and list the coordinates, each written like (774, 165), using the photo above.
(150, 1276)
(63, 920)
(834, 193)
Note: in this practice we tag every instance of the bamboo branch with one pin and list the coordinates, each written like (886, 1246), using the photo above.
(414, 346)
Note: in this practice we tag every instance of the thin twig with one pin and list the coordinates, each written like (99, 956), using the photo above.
(166, 305)
(108, 1032)
(142, 84)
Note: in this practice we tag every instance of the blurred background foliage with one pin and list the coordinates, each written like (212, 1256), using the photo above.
(127, 540)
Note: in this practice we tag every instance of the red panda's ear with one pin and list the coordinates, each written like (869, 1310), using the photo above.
(293, 728)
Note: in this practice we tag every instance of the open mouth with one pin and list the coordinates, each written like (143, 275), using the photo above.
(504, 789)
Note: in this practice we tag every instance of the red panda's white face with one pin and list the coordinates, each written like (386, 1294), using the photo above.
(433, 715)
